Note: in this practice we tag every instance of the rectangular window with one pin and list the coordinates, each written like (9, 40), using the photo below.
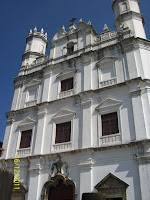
(25, 139)
(67, 84)
(63, 132)
(110, 124)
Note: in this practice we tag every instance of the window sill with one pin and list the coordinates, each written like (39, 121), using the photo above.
(31, 103)
(110, 139)
(66, 93)
(62, 146)
(23, 151)
(108, 82)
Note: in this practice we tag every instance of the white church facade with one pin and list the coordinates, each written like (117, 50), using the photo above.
(80, 116)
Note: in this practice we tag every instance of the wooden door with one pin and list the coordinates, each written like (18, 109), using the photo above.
(61, 192)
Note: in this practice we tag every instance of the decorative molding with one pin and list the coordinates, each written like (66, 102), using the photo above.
(58, 165)
(67, 72)
(112, 186)
(42, 113)
(86, 61)
(9, 121)
(54, 181)
(88, 164)
(109, 103)
(32, 83)
(104, 60)
(105, 36)
(37, 169)
(135, 92)
(87, 103)
(64, 113)
(47, 74)
(26, 122)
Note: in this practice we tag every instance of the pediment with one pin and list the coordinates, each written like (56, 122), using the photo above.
(83, 25)
(67, 71)
(105, 60)
(109, 103)
(59, 34)
(111, 181)
(33, 82)
(64, 113)
(26, 122)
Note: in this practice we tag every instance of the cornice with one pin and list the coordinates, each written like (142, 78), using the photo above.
(129, 12)
(119, 147)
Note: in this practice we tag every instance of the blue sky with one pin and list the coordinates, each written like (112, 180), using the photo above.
(18, 17)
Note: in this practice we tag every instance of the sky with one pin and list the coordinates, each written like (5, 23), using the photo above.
(18, 17)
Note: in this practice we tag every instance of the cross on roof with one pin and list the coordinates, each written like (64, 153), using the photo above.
(72, 20)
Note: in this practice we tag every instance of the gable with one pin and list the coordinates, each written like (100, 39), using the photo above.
(27, 121)
(59, 34)
(67, 71)
(111, 181)
(105, 60)
(64, 113)
(109, 103)
(33, 82)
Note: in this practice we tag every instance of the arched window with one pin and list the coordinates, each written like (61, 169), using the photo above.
(70, 47)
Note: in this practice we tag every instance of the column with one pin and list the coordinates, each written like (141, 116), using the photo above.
(87, 73)
(40, 131)
(86, 123)
(139, 123)
(86, 169)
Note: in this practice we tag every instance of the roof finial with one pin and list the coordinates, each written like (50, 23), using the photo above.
(42, 30)
(89, 22)
(80, 20)
(105, 28)
(30, 31)
(63, 27)
(35, 29)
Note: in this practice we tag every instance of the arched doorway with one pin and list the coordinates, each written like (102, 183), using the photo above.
(59, 187)
(61, 192)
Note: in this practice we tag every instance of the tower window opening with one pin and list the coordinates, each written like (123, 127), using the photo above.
(70, 47)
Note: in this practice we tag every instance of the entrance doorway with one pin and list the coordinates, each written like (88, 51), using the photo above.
(61, 191)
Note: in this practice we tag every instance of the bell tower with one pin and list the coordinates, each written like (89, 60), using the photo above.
(36, 44)
(127, 15)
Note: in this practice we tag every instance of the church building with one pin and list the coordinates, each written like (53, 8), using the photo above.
(79, 123)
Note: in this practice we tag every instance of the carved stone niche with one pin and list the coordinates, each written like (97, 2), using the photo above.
(55, 186)
(112, 188)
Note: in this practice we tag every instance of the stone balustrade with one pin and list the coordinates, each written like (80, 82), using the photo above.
(66, 93)
(110, 139)
(24, 151)
(108, 82)
(31, 103)
(62, 146)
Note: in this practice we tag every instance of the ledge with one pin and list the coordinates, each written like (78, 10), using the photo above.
(131, 145)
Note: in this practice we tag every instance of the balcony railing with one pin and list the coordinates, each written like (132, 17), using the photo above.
(62, 146)
(111, 139)
(24, 151)
(66, 93)
(31, 103)
(108, 82)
